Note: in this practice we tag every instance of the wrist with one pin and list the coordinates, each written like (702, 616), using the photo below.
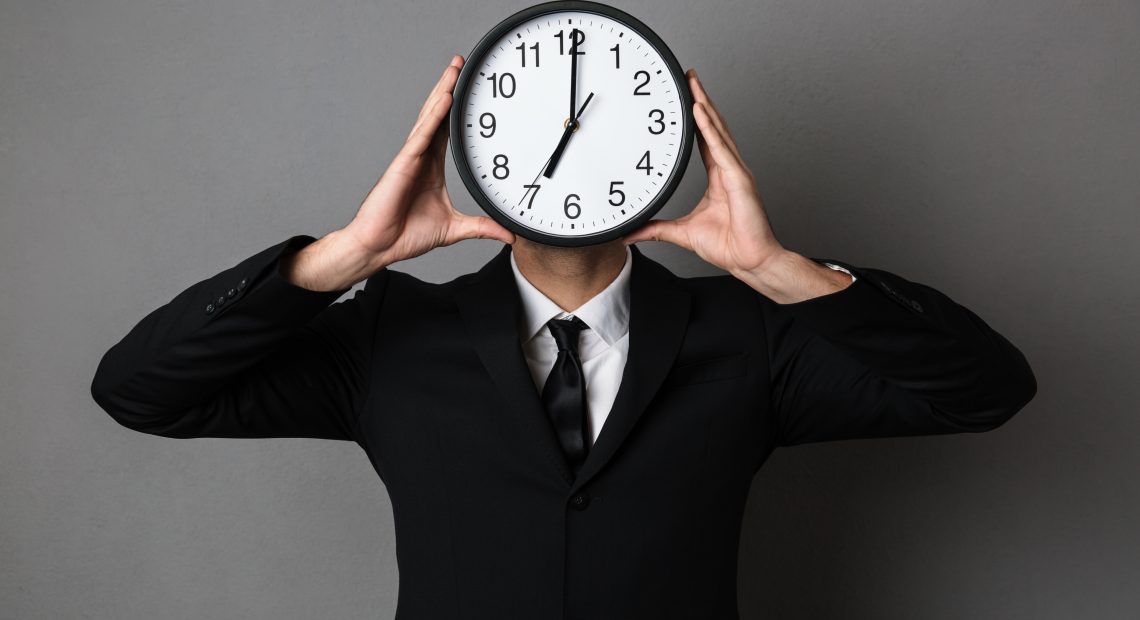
(333, 262)
(788, 277)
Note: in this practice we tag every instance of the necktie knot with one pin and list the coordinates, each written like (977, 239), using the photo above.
(565, 332)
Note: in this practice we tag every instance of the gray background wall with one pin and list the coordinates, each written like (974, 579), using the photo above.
(989, 149)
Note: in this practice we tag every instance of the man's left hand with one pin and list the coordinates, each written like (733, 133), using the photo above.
(729, 227)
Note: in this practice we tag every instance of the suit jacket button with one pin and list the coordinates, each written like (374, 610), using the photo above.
(580, 501)
(230, 293)
(209, 308)
(917, 306)
(241, 285)
(220, 300)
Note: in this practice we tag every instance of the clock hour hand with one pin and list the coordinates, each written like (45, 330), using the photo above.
(570, 127)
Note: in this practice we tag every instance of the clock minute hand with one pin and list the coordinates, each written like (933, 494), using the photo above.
(573, 72)
(570, 127)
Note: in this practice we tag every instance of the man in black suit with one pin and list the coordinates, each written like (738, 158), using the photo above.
(508, 501)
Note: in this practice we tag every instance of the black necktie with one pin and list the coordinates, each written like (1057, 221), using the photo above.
(564, 393)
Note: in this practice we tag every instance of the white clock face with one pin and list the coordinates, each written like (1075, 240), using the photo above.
(516, 106)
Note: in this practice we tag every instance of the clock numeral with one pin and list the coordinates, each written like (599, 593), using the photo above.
(660, 120)
(522, 49)
(637, 89)
(489, 126)
(577, 37)
(503, 166)
(499, 85)
(643, 163)
(616, 49)
(569, 204)
(613, 190)
(535, 187)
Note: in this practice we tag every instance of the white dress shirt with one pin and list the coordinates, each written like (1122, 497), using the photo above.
(603, 348)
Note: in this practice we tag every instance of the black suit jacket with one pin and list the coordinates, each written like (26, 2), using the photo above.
(430, 380)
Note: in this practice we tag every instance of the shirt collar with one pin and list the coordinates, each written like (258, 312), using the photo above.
(607, 313)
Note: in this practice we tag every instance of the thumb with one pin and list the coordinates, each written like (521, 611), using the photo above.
(478, 227)
(669, 231)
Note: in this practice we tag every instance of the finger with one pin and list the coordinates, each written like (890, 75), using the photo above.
(702, 96)
(712, 170)
(721, 153)
(477, 227)
(706, 157)
(669, 231)
(703, 147)
(445, 83)
(445, 87)
(430, 115)
(699, 90)
(437, 150)
(420, 138)
(428, 101)
(737, 176)
(457, 62)
(438, 146)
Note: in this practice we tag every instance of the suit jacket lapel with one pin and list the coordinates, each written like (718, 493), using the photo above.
(658, 316)
(659, 312)
(491, 310)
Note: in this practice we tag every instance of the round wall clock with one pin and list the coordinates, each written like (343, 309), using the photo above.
(571, 123)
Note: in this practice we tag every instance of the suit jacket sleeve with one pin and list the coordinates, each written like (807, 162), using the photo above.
(887, 357)
(271, 360)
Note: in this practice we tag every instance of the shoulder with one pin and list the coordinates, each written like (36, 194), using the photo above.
(715, 298)
(719, 297)
(396, 281)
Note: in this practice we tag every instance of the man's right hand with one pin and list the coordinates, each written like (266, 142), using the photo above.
(407, 213)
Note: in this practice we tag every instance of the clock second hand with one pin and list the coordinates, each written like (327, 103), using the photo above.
(532, 183)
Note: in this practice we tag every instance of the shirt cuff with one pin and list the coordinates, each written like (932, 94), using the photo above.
(838, 268)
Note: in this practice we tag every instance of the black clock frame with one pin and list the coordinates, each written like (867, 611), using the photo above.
(475, 58)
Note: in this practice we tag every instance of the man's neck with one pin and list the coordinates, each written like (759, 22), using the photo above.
(569, 276)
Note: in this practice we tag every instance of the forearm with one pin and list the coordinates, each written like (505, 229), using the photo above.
(333, 262)
(165, 375)
(914, 360)
(789, 277)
